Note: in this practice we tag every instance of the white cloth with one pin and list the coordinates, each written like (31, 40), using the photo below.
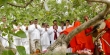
(64, 27)
(46, 6)
(3, 39)
(59, 1)
(51, 33)
(69, 50)
(68, 26)
(25, 41)
(45, 41)
(34, 34)
(17, 40)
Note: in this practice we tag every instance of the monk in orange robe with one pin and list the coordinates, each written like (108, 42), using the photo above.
(79, 40)
(105, 39)
(89, 44)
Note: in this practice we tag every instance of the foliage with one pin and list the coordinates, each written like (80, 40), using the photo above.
(21, 50)
(21, 34)
(8, 52)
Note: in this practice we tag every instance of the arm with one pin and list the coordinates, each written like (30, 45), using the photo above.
(50, 30)
(31, 28)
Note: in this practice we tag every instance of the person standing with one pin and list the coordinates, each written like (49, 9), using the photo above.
(34, 33)
(62, 24)
(54, 31)
(25, 41)
(105, 39)
(17, 40)
(45, 41)
(68, 24)
(4, 39)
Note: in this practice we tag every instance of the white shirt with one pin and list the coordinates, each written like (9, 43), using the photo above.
(34, 32)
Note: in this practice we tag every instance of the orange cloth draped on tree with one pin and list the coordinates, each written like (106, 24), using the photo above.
(106, 39)
(79, 41)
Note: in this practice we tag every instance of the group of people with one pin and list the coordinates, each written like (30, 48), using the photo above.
(38, 36)
(41, 37)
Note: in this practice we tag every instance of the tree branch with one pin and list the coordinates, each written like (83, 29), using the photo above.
(83, 26)
(22, 6)
(94, 20)
(102, 1)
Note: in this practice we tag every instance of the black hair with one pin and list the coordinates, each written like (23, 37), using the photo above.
(35, 19)
(43, 24)
(68, 21)
(54, 21)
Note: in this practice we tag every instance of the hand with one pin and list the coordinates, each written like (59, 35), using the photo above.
(26, 28)
(36, 26)
(55, 27)
(45, 29)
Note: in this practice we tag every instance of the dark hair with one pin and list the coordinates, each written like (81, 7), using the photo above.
(54, 21)
(62, 22)
(43, 24)
(35, 19)
(29, 21)
(68, 20)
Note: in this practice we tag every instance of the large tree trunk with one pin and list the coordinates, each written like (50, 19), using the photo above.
(66, 39)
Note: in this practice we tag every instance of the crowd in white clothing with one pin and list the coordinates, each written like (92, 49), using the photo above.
(38, 37)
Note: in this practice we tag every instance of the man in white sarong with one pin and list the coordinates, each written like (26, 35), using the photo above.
(45, 42)
(54, 31)
(34, 33)
(25, 41)
(4, 39)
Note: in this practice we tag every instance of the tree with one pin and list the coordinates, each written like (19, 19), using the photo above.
(94, 20)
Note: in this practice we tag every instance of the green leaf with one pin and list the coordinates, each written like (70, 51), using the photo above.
(8, 52)
(4, 34)
(21, 50)
(21, 34)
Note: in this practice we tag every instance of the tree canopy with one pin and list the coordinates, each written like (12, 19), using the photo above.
(48, 10)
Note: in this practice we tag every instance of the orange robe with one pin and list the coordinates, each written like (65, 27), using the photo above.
(89, 44)
(106, 36)
(79, 40)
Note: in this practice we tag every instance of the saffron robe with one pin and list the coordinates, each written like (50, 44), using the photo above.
(106, 39)
(79, 40)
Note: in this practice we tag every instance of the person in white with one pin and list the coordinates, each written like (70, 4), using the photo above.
(68, 24)
(4, 39)
(62, 24)
(25, 41)
(54, 31)
(45, 42)
(34, 33)
(69, 49)
(17, 40)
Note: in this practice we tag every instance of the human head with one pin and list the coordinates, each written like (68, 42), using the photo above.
(75, 19)
(43, 24)
(3, 19)
(62, 23)
(86, 18)
(55, 22)
(30, 22)
(47, 25)
(67, 22)
(35, 21)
